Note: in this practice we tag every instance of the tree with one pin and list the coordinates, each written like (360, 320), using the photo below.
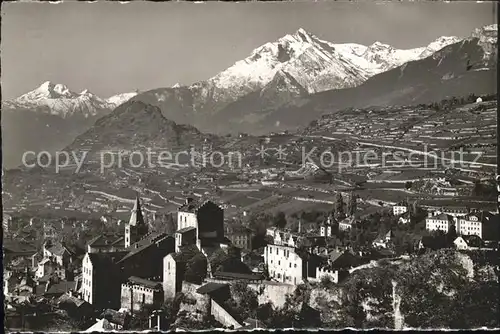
(216, 259)
(427, 285)
(279, 220)
(476, 306)
(264, 312)
(451, 235)
(352, 205)
(170, 308)
(339, 206)
(259, 222)
(244, 300)
(170, 224)
(196, 270)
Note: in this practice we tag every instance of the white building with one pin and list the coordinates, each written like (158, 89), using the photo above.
(346, 224)
(284, 264)
(473, 224)
(399, 209)
(438, 221)
(326, 228)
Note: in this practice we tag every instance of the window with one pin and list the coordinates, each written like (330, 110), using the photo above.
(290, 265)
(295, 265)
(143, 298)
(279, 262)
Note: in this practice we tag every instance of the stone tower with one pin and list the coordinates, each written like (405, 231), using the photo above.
(136, 227)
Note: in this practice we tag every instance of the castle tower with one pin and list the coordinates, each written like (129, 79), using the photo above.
(136, 227)
(326, 227)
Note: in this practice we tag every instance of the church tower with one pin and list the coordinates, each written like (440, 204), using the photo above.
(136, 227)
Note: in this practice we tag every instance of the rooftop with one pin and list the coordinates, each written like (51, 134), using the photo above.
(66, 298)
(235, 276)
(58, 249)
(104, 260)
(61, 287)
(149, 240)
(144, 282)
(186, 229)
(193, 205)
(211, 287)
(106, 240)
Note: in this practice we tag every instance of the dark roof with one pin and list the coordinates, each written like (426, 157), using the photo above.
(104, 260)
(221, 274)
(15, 246)
(334, 255)
(58, 249)
(149, 240)
(106, 240)
(66, 298)
(61, 287)
(194, 205)
(186, 229)
(210, 287)
(40, 288)
(144, 282)
(234, 266)
(191, 206)
(472, 240)
(238, 229)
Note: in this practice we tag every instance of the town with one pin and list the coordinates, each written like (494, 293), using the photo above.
(214, 272)
(161, 172)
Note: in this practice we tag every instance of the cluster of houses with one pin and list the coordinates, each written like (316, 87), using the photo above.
(119, 275)
(122, 274)
(473, 227)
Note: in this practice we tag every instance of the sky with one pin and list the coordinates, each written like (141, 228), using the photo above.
(111, 48)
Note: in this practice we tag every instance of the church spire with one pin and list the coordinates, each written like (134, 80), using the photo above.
(136, 227)
(136, 217)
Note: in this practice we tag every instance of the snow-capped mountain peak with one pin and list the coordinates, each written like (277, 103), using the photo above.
(47, 90)
(118, 99)
(380, 45)
(303, 35)
(312, 62)
(315, 64)
(438, 44)
(58, 99)
(62, 90)
(488, 39)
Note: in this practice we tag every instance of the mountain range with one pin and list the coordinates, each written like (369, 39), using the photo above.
(281, 85)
